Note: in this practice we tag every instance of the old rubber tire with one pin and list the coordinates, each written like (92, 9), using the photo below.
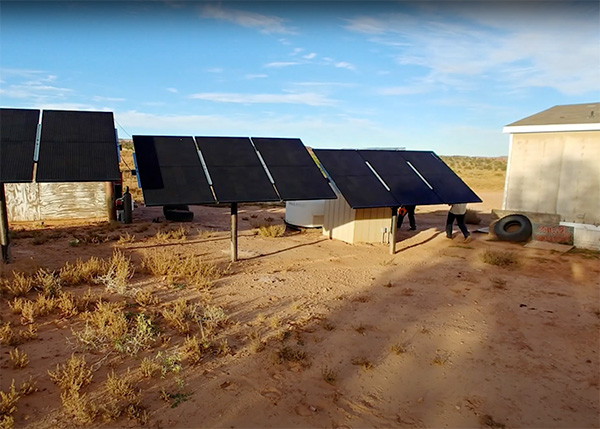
(182, 214)
(183, 207)
(515, 228)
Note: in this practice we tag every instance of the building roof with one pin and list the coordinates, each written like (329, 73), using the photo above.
(568, 117)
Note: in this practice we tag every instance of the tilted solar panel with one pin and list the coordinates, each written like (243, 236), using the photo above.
(356, 181)
(170, 171)
(450, 188)
(18, 129)
(236, 172)
(294, 172)
(404, 183)
(77, 146)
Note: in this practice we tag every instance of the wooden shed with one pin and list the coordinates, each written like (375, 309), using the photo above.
(58, 201)
(554, 167)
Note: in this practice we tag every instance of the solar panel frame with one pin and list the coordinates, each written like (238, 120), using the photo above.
(170, 171)
(404, 183)
(235, 169)
(18, 132)
(78, 146)
(294, 171)
(356, 181)
(445, 182)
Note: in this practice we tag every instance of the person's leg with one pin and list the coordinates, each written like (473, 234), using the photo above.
(449, 222)
(460, 220)
(411, 217)
(400, 219)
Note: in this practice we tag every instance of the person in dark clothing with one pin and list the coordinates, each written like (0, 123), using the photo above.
(404, 210)
(457, 212)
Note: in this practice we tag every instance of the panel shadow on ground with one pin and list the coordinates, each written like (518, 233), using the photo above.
(170, 171)
(295, 173)
(78, 146)
(18, 129)
(235, 170)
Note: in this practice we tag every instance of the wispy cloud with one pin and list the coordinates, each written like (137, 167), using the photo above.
(112, 99)
(172, 90)
(344, 65)
(554, 45)
(307, 98)
(264, 23)
(310, 56)
(279, 64)
(256, 76)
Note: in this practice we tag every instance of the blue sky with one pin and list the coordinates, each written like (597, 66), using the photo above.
(443, 76)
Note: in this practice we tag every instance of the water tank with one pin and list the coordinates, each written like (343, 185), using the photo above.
(307, 214)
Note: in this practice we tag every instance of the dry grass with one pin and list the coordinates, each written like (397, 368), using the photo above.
(20, 285)
(500, 258)
(19, 359)
(184, 269)
(329, 375)
(179, 234)
(8, 405)
(289, 354)
(364, 362)
(119, 272)
(74, 373)
(80, 272)
(271, 231)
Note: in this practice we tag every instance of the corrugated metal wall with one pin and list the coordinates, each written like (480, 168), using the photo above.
(338, 222)
(56, 201)
(556, 173)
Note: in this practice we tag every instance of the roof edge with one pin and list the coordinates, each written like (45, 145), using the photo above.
(519, 129)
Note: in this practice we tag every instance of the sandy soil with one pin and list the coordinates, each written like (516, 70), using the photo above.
(429, 337)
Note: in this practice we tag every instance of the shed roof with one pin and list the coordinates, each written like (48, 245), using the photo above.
(567, 117)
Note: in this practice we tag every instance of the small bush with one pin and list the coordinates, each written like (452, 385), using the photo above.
(20, 284)
(271, 231)
(329, 375)
(19, 359)
(74, 373)
(8, 405)
(500, 258)
(119, 271)
(81, 272)
(364, 362)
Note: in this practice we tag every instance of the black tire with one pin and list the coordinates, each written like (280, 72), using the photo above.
(178, 215)
(183, 207)
(515, 228)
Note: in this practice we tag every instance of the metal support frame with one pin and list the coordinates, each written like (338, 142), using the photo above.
(393, 230)
(4, 237)
(234, 232)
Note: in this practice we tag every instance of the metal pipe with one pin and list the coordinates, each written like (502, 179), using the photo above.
(234, 232)
(4, 237)
(393, 230)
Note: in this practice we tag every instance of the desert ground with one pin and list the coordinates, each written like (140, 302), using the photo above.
(149, 324)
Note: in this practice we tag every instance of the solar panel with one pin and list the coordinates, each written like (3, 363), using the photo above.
(355, 180)
(18, 129)
(77, 147)
(450, 188)
(236, 172)
(404, 183)
(170, 171)
(294, 172)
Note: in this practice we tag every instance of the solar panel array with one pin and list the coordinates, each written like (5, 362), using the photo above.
(391, 178)
(238, 169)
(74, 146)
(18, 129)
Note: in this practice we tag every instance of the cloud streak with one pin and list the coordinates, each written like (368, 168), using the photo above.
(306, 98)
(264, 23)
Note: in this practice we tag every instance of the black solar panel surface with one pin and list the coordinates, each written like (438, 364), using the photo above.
(18, 128)
(77, 146)
(170, 171)
(294, 172)
(236, 172)
(355, 180)
(446, 184)
(404, 183)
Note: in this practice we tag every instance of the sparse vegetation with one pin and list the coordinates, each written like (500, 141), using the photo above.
(329, 375)
(500, 258)
(364, 362)
(19, 359)
(271, 231)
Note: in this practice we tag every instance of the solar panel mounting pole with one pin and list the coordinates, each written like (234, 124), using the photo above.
(234, 232)
(393, 230)
(4, 238)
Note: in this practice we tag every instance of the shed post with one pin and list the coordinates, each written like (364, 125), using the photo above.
(4, 238)
(234, 232)
(110, 201)
(393, 230)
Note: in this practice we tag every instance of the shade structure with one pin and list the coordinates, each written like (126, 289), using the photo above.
(78, 146)
(295, 174)
(391, 178)
(18, 129)
(235, 169)
(170, 171)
